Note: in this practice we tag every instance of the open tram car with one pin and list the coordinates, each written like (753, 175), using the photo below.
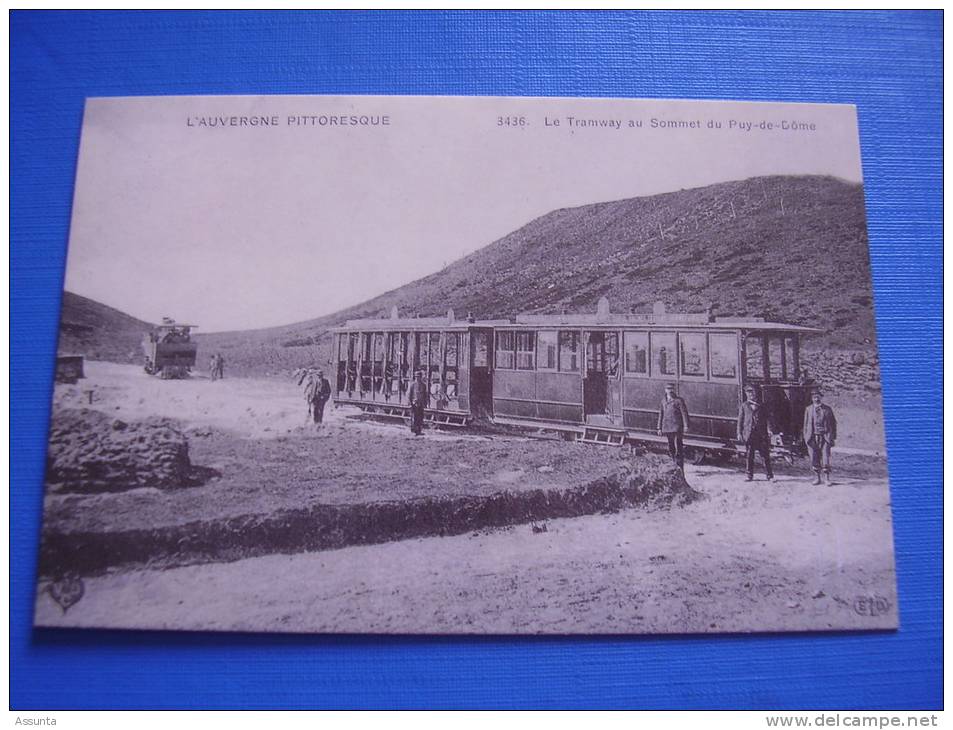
(596, 377)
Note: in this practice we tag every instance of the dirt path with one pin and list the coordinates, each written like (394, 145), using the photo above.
(755, 556)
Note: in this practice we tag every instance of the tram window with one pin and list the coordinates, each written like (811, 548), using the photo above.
(525, 350)
(754, 356)
(724, 356)
(547, 350)
(692, 346)
(342, 362)
(435, 353)
(352, 352)
(790, 359)
(611, 340)
(391, 369)
(637, 353)
(403, 357)
(395, 347)
(377, 371)
(775, 353)
(451, 359)
(505, 350)
(423, 351)
(569, 352)
(365, 384)
(663, 353)
(450, 365)
(366, 346)
(481, 350)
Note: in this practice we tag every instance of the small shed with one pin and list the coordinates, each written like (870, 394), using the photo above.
(69, 368)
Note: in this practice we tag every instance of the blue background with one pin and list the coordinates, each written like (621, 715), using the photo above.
(888, 63)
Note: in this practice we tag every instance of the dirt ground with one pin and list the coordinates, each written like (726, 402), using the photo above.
(759, 556)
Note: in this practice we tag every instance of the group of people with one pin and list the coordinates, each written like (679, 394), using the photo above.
(216, 367)
(819, 431)
(318, 393)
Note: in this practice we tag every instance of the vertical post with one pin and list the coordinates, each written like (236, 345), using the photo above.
(403, 346)
(338, 385)
(360, 363)
(442, 389)
(742, 357)
(766, 357)
(412, 355)
(583, 367)
(385, 386)
(796, 355)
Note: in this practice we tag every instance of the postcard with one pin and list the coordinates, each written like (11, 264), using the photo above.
(441, 365)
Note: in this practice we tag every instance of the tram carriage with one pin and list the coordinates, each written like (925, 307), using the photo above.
(596, 377)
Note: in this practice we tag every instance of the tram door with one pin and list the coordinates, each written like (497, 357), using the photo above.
(481, 376)
(601, 385)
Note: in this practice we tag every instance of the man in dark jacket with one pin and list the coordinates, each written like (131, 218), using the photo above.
(820, 432)
(753, 432)
(673, 423)
(419, 397)
(320, 396)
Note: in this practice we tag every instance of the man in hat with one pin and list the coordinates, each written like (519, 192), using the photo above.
(319, 396)
(673, 423)
(419, 397)
(753, 432)
(820, 432)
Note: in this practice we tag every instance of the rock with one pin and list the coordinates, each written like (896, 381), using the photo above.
(545, 469)
(91, 452)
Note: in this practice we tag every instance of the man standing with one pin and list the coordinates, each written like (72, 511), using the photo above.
(419, 397)
(673, 423)
(320, 394)
(820, 432)
(753, 432)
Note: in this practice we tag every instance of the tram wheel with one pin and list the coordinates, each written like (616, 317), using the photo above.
(696, 455)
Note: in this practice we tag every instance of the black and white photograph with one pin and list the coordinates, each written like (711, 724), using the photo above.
(467, 365)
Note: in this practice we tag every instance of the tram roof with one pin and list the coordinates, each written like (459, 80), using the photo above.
(523, 321)
(666, 320)
(417, 323)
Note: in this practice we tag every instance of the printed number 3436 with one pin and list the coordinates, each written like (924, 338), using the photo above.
(511, 121)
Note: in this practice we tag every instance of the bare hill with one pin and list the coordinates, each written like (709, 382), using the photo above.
(789, 248)
(99, 332)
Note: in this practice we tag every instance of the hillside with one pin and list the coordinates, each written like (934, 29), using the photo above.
(788, 248)
(99, 332)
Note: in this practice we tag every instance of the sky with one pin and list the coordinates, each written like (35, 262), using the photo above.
(244, 212)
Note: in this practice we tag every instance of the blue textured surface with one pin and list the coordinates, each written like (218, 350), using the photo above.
(888, 63)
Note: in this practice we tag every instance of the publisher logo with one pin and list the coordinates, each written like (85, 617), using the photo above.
(871, 605)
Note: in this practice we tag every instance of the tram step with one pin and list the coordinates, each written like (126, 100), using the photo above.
(602, 436)
(448, 419)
